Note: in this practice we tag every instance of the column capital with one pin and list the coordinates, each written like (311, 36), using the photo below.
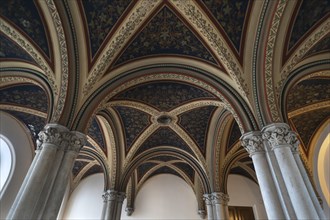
(279, 135)
(76, 141)
(109, 195)
(208, 199)
(202, 213)
(121, 196)
(220, 198)
(253, 142)
(52, 134)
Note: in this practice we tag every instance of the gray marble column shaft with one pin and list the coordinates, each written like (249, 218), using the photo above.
(209, 206)
(281, 139)
(220, 205)
(109, 207)
(308, 184)
(28, 199)
(119, 204)
(253, 143)
(76, 141)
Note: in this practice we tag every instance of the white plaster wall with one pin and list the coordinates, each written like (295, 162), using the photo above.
(164, 196)
(17, 134)
(244, 192)
(86, 201)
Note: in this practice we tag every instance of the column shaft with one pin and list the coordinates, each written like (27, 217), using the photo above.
(209, 206)
(109, 207)
(282, 140)
(120, 200)
(253, 143)
(220, 206)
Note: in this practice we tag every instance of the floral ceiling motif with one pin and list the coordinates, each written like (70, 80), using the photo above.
(27, 95)
(308, 92)
(96, 133)
(166, 34)
(25, 15)
(196, 122)
(9, 50)
(231, 16)
(316, 10)
(164, 96)
(101, 16)
(134, 123)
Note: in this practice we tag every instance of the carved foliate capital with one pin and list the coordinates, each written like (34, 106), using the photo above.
(280, 134)
(121, 196)
(253, 142)
(208, 199)
(220, 198)
(109, 195)
(52, 134)
(76, 141)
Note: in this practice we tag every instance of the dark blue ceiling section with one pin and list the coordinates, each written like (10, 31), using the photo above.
(10, 50)
(166, 34)
(143, 169)
(195, 122)
(27, 95)
(310, 12)
(231, 16)
(165, 170)
(164, 95)
(234, 135)
(134, 123)
(186, 168)
(96, 133)
(164, 136)
(101, 16)
(25, 15)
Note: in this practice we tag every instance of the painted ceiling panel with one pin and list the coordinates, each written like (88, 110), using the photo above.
(78, 166)
(93, 170)
(143, 169)
(134, 123)
(166, 34)
(25, 15)
(196, 122)
(34, 123)
(307, 123)
(164, 158)
(96, 133)
(186, 168)
(10, 50)
(234, 135)
(321, 47)
(316, 10)
(165, 170)
(164, 95)
(27, 95)
(101, 16)
(308, 92)
(164, 136)
(231, 16)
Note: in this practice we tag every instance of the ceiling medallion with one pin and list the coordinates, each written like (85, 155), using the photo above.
(164, 119)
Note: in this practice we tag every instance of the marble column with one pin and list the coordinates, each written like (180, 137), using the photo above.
(253, 143)
(75, 141)
(307, 181)
(220, 205)
(209, 206)
(31, 193)
(109, 205)
(120, 199)
(282, 140)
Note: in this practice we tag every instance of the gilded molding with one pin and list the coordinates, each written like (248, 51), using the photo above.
(23, 109)
(8, 80)
(24, 43)
(191, 12)
(270, 47)
(135, 19)
(64, 71)
(309, 108)
(318, 34)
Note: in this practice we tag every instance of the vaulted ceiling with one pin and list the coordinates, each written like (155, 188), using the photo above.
(166, 86)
